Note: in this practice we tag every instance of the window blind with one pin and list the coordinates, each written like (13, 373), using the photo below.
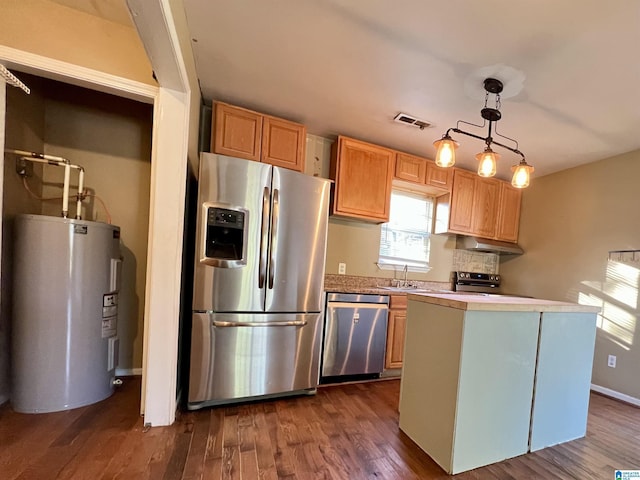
(404, 240)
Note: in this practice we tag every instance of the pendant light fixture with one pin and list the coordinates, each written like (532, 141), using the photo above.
(487, 160)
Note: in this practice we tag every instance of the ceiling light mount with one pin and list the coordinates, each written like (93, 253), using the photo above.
(493, 85)
(445, 154)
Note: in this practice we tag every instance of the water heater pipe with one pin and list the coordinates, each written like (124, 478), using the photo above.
(80, 196)
(65, 191)
(60, 162)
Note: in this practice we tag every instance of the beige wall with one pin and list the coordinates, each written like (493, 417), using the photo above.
(358, 243)
(570, 221)
(52, 30)
(111, 138)
(24, 129)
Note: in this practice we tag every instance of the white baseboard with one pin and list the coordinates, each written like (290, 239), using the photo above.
(617, 395)
(128, 372)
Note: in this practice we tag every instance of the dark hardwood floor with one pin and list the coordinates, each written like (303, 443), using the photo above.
(343, 432)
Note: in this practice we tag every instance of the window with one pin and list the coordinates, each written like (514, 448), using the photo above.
(404, 240)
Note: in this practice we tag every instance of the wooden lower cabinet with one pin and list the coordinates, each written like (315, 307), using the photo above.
(395, 331)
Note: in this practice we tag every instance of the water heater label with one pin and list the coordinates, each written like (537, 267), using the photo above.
(109, 326)
(81, 229)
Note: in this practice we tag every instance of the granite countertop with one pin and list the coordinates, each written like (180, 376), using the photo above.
(376, 285)
(505, 303)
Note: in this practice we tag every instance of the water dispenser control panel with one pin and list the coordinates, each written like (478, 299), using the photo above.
(222, 217)
(224, 236)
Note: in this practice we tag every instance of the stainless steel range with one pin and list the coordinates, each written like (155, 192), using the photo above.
(475, 282)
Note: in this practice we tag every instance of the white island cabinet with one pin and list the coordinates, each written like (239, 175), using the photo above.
(487, 378)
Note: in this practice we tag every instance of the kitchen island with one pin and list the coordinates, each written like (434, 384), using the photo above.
(490, 377)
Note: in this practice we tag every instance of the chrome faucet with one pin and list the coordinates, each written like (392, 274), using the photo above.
(405, 270)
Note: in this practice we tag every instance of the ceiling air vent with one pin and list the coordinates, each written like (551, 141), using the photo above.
(409, 120)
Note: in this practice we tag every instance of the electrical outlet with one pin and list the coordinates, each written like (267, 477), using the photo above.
(342, 268)
(24, 168)
(611, 361)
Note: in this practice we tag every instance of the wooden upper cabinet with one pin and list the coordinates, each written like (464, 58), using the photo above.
(486, 207)
(283, 143)
(237, 132)
(362, 174)
(410, 168)
(439, 177)
(461, 208)
(243, 133)
(509, 212)
(422, 171)
(486, 202)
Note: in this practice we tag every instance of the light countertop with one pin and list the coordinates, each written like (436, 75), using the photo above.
(377, 286)
(504, 303)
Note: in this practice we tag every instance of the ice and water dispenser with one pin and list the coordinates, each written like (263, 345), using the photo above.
(225, 237)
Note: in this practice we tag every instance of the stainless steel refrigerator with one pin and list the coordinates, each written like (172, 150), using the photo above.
(259, 269)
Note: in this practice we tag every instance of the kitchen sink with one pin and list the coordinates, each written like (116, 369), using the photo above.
(414, 290)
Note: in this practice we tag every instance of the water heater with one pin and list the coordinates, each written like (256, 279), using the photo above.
(66, 284)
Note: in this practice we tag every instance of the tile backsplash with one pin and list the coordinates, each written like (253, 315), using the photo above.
(478, 262)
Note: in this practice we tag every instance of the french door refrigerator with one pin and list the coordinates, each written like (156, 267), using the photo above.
(259, 270)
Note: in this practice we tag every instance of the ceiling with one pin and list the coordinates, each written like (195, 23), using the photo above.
(571, 74)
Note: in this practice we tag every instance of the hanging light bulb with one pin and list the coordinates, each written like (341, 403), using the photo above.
(487, 162)
(521, 174)
(446, 151)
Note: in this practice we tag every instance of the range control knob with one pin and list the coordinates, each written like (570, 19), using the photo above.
(497, 278)
(492, 278)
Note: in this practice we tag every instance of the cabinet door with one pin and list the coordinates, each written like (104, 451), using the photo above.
(237, 132)
(462, 197)
(439, 177)
(362, 174)
(283, 143)
(485, 207)
(395, 338)
(410, 168)
(509, 216)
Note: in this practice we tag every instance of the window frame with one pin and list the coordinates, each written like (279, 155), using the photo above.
(387, 262)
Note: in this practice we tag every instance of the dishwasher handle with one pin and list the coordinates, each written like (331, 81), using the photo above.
(375, 306)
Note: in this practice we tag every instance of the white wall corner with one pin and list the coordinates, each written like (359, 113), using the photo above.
(162, 28)
(164, 263)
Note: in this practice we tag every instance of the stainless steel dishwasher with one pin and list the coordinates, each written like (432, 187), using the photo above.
(355, 335)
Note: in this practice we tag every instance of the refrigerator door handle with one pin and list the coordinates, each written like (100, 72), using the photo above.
(293, 323)
(274, 235)
(264, 229)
